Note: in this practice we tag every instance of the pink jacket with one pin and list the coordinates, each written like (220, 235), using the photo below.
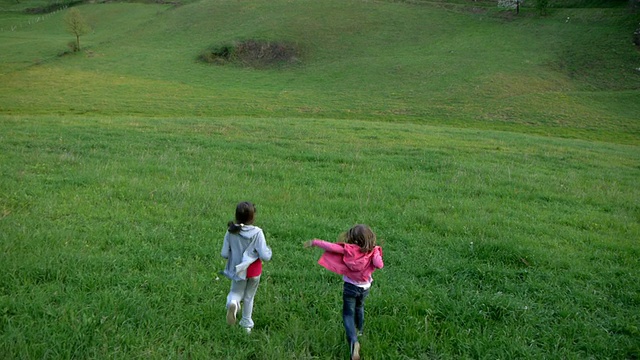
(348, 260)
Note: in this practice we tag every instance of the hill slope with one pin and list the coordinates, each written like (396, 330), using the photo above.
(573, 73)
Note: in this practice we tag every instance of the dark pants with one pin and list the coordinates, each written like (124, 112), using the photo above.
(353, 310)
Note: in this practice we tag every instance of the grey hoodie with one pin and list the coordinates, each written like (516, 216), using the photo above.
(235, 245)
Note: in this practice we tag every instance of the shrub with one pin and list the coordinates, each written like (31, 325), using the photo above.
(218, 55)
(542, 6)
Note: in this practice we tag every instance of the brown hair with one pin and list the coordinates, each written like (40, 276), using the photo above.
(360, 235)
(245, 214)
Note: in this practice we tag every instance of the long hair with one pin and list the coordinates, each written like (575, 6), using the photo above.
(360, 235)
(245, 214)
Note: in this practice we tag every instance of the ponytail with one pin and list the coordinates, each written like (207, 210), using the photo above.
(233, 227)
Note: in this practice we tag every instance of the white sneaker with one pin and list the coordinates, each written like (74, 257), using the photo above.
(232, 310)
(248, 330)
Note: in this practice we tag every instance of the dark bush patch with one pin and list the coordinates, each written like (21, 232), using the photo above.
(253, 53)
(218, 55)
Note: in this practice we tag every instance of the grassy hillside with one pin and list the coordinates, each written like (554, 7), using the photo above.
(497, 245)
(495, 156)
(433, 63)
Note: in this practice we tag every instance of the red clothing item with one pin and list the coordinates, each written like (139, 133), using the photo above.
(255, 269)
(349, 260)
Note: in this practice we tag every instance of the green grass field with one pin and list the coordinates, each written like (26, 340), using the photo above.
(495, 156)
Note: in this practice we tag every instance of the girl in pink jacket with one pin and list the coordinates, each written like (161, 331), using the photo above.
(355, 257)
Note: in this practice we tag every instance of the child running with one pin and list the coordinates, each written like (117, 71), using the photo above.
(355, 257)
(244, 248)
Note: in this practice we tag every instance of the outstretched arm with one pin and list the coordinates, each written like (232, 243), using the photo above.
(336, 248)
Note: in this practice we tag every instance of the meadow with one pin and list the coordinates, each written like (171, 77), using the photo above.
(495, 156)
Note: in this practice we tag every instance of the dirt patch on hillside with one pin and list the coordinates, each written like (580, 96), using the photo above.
(253, 53)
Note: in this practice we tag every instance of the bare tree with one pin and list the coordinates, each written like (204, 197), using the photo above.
(76, 25)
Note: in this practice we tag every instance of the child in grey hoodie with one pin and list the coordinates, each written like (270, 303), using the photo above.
(244, 248)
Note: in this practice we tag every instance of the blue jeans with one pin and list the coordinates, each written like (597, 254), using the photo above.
(353, 310)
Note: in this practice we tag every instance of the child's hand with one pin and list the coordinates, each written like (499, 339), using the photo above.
(308, 244)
